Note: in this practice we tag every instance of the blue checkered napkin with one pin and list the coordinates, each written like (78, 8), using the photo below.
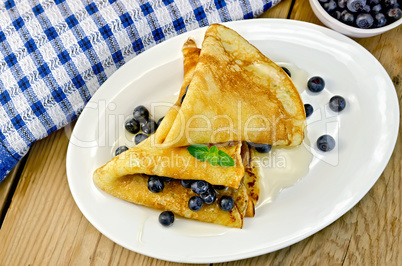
(55, 54)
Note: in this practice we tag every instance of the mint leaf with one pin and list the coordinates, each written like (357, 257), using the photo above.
(213, 150)
(213, 158)
(225, 160)
(212, 155)
(198, 151)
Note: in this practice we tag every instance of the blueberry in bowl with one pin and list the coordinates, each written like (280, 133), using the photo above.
(359, 18)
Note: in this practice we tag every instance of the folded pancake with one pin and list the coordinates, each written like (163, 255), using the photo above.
(174, 162)
(174, 197)
(251, 179)
(237, 94)
(190, 58)
(126, 175)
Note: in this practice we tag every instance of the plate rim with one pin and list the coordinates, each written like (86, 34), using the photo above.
(260, 251)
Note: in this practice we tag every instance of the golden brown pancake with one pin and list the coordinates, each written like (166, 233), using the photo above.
(237, 94)
(251, 179)
(174, 197)
(190, 58)
(125, 176)
(175, 163)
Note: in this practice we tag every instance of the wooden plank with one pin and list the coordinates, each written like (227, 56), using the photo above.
(302, 11)
(369, 234)
(7, 188)
(44, 226)
(280, 10)
(376, 239)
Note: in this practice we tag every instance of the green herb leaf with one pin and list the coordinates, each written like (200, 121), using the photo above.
(212, 155)
(213, 150)
(213, 158)
(225, 160)
(198, 151)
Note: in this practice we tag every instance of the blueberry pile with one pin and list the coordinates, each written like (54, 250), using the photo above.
(205, 194)
(141, 121)
(364, 14)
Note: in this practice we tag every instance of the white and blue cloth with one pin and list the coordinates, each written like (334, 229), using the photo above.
(54, 54)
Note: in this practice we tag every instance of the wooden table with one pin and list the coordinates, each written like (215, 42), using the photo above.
(41, 224)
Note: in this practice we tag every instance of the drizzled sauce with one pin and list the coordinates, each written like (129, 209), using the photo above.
(282, 167)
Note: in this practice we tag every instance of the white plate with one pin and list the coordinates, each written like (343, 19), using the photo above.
(365, 131)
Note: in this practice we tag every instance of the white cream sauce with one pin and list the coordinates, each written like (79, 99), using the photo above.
(298, 76)
(282, 167)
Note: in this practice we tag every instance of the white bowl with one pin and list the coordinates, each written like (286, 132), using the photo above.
(343, 28)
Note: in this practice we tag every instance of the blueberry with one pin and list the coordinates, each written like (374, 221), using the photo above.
(184, 95)
(159, 121)
(199, 186)
(316, 84)
(166, 218)
(262, 148)
(336, 14)
(309, 109)
(337, 103)
(141, 114)
(380, 20)
(347, 18)
(390, 3)
(355, 5)
(374, 2)
(182, 98)
(394, 13)
(166, 179)
(155, 184)
(377, 8)
(208, 196)
(259, 147)
(186, 183)
(287, 71)
(132, 126)
(325, 143)
(330, 6)
(342, 4)
(139, 138)
(226, 203)
(195, 203)
(364, 20)
(120, 150)
(218, 187)
(149, 127)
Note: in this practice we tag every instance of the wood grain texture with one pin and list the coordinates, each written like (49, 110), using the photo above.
(281, 10)
(44, 226)
(370, 233)
(6, 189)
(376, 239)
